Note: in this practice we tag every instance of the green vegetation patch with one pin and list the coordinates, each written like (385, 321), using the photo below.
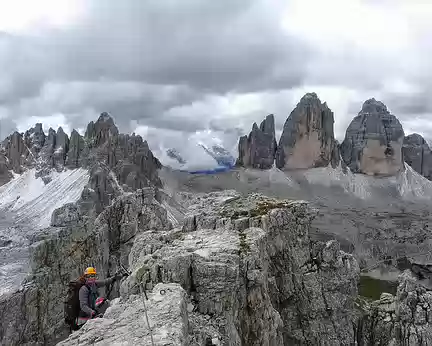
(372, 288)
(251, 207)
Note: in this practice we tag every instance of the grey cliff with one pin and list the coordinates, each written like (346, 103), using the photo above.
(307, 140)
(418, 155)
(258, 149)
(373, 141)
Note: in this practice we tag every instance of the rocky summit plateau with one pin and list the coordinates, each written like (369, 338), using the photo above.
(304, 241)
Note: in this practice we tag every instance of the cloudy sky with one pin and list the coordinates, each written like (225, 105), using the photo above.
(179, 70)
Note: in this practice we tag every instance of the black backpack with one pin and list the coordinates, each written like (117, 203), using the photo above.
(72, 303)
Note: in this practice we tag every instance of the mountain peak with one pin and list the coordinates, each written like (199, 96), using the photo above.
(373, 106)
(101, 130)
(309, 96)
(105, 117)
(307, 140)
(373, 141)
(258, 149)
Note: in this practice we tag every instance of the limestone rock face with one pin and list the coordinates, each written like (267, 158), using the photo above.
(248, 271)
(16, 151)
(307, 140)
(35, 138)
(373, 141)
(76, 146)
(61, 149)
(104, 242)
(399, 320)
(258, 149)
(249, 265)
(124, 322)
(127, 156)
(5, 174)
(102, 130)
(418, 155)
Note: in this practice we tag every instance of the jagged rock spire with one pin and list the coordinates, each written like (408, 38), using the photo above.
(258, 149)
(307, 139)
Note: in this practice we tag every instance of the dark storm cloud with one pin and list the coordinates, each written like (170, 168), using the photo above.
(213, 46)
(24, 67)
(7, 126)
(403, 105)
(122, 57)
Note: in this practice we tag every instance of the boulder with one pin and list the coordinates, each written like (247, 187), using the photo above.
(307, 140)
(258, 149)
(373, 141)
(418, 155)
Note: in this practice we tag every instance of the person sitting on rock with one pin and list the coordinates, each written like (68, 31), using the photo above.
(90, 304)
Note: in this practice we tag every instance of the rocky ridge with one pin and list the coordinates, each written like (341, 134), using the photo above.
(128, 156)
(249, 275)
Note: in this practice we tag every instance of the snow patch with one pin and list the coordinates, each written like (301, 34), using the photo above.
(28, 199)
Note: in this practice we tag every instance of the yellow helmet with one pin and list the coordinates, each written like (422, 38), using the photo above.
(90, 271)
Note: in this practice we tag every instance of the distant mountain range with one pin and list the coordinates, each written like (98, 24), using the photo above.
(219, 156)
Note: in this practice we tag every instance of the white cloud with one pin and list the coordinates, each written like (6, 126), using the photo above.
(54, 121)
(148, 65)
(28, 15)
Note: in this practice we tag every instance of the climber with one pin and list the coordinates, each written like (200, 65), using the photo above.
(82, 302)
(90, 304)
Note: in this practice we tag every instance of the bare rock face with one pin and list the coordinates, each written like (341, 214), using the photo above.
(248, 271)
(133, 162)
(61, 149)
(102, 130)
(258, 149)
(76, 147)
(373, 141)
(35, 138)
(104, 242)
(250, 266)
(5, 174)
(418, 155)
(16, 151)
(403, 319)
(307, 139)
(124, 323)
(128, 156)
